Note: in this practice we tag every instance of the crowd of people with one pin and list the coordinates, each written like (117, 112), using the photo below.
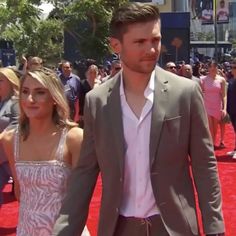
(217, 83)
(60, 128)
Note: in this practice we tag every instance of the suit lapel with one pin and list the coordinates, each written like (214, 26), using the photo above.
(158, 112)
(115, 121)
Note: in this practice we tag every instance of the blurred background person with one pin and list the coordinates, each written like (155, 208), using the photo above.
(171, 66)
(214, 95)
(29, 63)
(86, 85)
(196, 69)
(101, 72)
(9, 112)
(187, 72)
(35, 63)
(231, 103)
(115, 68)
(71, 84)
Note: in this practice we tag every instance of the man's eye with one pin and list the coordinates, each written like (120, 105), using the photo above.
(140, 41)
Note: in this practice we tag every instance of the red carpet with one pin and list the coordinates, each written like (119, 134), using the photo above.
(227, 172)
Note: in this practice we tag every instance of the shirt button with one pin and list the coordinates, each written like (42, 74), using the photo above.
(121, 179)
(117, 210)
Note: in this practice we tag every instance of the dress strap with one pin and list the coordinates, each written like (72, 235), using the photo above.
(16, 143)
(60, 149)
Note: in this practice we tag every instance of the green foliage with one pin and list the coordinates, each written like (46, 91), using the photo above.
(44, 38)
(205, 36)
(113, 4)
(21, 23)
(86, 20)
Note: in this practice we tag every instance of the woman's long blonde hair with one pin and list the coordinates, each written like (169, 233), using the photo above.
(50, 81)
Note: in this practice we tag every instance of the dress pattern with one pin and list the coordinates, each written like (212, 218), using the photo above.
(43, 187)
(212, 96)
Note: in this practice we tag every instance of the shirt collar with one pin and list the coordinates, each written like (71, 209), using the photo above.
(148, 90)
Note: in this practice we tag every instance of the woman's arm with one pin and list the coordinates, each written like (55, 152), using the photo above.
(74, 141)
(224, 96)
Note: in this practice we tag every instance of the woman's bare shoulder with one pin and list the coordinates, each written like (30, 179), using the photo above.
(7, 141)
(221, 78)
(7, 135)
(74, 140)
(74, 135)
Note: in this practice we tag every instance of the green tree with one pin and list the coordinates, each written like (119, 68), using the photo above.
(88, 22)
(113, 4)
(21, 23)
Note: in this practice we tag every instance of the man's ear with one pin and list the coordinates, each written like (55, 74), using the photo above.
(115, 45)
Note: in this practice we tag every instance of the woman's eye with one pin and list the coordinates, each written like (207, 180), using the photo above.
(24, 91)
(41, 92)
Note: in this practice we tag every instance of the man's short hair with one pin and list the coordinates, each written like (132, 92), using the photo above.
(132, 13)
(170, 64)
(63, 62)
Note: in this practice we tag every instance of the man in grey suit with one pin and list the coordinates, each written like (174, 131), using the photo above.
(143, 129)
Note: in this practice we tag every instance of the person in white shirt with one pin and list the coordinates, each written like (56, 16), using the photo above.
(141, 130)
(207, 14)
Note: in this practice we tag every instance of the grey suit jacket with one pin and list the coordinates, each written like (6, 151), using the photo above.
(9, 114)
(179, 136)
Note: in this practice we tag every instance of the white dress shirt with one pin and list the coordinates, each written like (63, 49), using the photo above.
(138, 199)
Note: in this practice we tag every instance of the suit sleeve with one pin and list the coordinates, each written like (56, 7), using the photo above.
(204, 167)
(74, 211)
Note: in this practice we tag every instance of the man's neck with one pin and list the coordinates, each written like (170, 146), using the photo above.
(135, 83)
(66, 76)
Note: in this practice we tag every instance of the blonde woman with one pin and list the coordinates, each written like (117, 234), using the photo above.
(9, 89)
(86, 85)
(42, 150)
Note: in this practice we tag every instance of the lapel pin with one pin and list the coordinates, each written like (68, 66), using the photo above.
(164, 90)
